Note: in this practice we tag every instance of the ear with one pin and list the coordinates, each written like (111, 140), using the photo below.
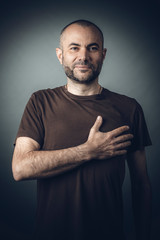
(104, 53)
(59, 54)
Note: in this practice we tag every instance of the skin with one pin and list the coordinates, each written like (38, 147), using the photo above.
(30, 163)
(82, 56)
(81, 53)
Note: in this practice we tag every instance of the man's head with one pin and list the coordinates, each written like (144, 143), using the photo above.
(81, 51)
(82, 23)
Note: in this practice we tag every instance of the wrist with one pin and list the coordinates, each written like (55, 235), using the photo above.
(83, 152)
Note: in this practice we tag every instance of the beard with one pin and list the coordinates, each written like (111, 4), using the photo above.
(88, 75)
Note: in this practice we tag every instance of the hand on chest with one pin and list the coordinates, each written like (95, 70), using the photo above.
(69, 124)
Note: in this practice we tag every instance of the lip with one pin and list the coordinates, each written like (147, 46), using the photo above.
(82, 66)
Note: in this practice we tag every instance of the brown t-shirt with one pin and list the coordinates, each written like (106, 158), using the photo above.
(81, 202)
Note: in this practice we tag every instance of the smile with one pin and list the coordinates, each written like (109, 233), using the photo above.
(82, 67)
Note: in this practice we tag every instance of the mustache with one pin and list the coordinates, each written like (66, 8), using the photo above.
(83, 63)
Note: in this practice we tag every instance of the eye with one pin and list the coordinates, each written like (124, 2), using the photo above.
(74, 49)
(93, 48)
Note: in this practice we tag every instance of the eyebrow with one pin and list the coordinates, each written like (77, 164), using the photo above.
(89, 45)
(75, 44)
(93, 44)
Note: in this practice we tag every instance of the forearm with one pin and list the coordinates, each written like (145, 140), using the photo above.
(41, 164)
(31, 163)
(142, 212)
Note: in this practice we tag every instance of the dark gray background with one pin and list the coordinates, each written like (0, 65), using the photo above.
(29, 34)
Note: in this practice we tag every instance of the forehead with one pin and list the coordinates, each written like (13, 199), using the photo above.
(81, 35)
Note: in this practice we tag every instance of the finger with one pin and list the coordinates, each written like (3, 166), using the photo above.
(116, 132)
(122, 138)
(122, 145)
(120, 152)
(97, 124)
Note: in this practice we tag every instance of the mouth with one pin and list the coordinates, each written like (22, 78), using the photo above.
(82, 67)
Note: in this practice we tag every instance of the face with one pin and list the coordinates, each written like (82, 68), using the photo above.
(81, 53)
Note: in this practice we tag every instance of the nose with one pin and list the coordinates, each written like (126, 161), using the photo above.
(83, 54)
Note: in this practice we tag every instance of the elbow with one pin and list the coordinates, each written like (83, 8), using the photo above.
(17, 172)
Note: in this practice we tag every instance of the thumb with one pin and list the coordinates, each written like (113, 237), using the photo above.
(97, 124)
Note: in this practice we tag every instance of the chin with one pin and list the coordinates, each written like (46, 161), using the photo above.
(82, 78)
(84, 81)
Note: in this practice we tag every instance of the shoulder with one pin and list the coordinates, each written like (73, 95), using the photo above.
(41, 99)
(46, 94)
(121, 100)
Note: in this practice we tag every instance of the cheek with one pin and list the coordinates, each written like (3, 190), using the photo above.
(99, 61)
(67, 61)
(68, 58)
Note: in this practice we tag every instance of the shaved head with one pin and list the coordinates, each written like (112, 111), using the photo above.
(85, 24)
(81, 51)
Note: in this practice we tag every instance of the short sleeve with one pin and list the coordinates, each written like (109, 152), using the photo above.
(140, 130)
(31, 124)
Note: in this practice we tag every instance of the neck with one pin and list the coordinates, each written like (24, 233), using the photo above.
(81, 89)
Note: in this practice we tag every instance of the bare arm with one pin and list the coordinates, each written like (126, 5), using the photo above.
(29, 162)
(141, 194)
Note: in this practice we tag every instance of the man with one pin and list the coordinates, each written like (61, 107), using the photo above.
(74, 140)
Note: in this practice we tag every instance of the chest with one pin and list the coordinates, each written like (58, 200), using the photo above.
(68, 124)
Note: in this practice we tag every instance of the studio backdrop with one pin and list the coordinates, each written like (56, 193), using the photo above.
(29, 35)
